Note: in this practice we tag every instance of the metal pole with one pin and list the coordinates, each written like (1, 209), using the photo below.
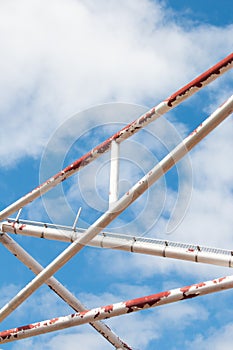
(159, 170)
(76, 219)
(163, 107)
(18, 215)
(114, 173)
(117, 309)
(141, 245)
(60, 290)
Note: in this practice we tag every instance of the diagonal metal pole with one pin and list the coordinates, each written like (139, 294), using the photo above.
(60, 290)
(117, 309)
(136, 191)
(132, 128)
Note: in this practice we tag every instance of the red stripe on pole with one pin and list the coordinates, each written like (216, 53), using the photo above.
(202, 80)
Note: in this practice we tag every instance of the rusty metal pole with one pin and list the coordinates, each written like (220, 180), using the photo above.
(132, 128)
(117, 309)
(136, 191)
(60, 290)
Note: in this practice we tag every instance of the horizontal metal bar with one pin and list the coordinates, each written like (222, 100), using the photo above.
(60, 290)
(132, 128)
(142, 245)
(117, 208)
(117, 309)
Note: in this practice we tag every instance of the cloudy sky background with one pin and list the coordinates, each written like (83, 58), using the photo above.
(72, 73)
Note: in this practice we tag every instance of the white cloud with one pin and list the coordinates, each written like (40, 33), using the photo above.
(181, 315)
(209, 219)
(44, 304)
(7, 292)
(84, 339)
(76, 54)
(216, 339)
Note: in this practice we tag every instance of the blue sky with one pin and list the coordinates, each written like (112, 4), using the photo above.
(70, 77)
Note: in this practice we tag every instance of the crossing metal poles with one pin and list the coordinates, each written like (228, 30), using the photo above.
(115, 208)
(132, 128)
(140, 187)
(60, 290)
(117, 309)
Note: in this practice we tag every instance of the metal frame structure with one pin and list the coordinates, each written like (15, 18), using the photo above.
(95, 236)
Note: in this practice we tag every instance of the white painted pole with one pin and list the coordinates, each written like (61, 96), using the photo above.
(76, 219)
(141, 245)
(114, 173)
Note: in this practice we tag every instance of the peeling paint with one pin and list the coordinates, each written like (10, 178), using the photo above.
(201, 81)
(146, 302)
(112, 310)
(108, 308)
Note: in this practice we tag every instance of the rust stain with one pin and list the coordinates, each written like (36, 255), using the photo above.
(11, 332)
(108, 308)
(199, 285)
(97, 314)
(221, 279)
(191, 250)
(185, 289)
(199, 81)
(53, 320)
(141, 303)
(189, 296)
(146, 116)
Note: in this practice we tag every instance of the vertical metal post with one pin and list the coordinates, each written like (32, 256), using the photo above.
(18, 215)
(76, 219)
(114, 173)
